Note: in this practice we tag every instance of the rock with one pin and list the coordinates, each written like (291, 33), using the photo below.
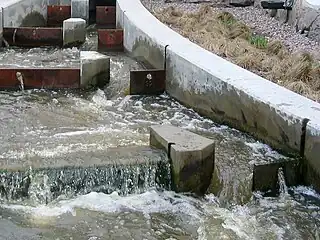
(74, 31)
(305, 17)
(192, 157)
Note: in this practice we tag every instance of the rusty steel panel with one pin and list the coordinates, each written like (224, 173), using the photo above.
(33, 36)
(110, 39)
(106, 16)
(57, 14)
(147, 82)
(50, 78)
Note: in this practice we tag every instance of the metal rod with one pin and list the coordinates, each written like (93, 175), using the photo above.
(165, 57)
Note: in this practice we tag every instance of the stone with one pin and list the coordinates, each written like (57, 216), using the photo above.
(191, 157)
(95, 69)
(74, 31)
(305, 17)
(80, 9)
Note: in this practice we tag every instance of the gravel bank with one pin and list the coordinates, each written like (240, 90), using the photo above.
(256, 19)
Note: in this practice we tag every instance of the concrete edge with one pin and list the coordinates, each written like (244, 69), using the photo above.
(217, 88)
(94, 70)
(191, 157)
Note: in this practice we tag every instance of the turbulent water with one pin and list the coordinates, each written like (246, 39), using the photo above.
(54, 128)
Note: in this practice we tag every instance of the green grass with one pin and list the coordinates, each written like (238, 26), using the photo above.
(258, 41)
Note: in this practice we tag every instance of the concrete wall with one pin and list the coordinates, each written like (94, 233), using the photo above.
(219, 89)
(24, 13)
(1, 26)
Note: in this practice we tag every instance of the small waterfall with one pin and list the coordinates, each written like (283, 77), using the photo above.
(283, 189)
(20, 79)
(40, 186)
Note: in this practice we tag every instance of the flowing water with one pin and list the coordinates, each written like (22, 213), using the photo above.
(119, 187)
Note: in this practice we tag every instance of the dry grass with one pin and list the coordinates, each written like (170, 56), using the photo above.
(222, 34)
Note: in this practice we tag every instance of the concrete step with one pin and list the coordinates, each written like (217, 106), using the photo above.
(125, 170)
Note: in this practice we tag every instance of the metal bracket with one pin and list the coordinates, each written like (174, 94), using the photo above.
(147, 82)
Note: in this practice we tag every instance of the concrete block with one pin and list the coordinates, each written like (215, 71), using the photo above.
(74, 31)
(59, 2)
(65, 2)
(53, 2)
(95, 69)
(1, 27)
(312, 154)
(80, 9)
(191, 155)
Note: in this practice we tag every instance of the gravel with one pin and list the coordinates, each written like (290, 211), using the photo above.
(257, 19)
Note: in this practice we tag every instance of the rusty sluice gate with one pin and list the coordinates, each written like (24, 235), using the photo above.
(110, 40)
(33, 36)
(57, 14)
(147, 82)
(49, 78)
(106, 16)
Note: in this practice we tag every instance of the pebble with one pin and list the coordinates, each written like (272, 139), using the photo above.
(256, 18)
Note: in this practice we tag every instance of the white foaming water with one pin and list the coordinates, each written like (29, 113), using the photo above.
(211, 220)
(283, 189)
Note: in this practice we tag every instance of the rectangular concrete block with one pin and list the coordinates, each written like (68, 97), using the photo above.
(192, 157)
(1, 27)
(53, 2)
(95, 69)
(59, 2)
(312, 155)
(74, 31)
(80, 9)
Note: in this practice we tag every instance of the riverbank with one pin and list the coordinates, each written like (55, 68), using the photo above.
(263, 46)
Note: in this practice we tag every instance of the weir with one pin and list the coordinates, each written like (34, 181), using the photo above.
(95, 162)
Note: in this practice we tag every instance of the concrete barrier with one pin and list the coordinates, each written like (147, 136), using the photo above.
(219, 89)
(1, 27)
(191, 156)
(95, 69)
(24, 13)
(74, 31)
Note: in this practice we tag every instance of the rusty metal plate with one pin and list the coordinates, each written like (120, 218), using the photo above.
(110, 39)
(106, 16)
(57, 14)
(50, 78)
(147, 82)
(33, 36)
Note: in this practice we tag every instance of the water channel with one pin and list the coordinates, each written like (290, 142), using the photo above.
(57, 128)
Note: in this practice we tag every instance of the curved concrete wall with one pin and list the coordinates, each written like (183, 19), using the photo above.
(221, 90)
